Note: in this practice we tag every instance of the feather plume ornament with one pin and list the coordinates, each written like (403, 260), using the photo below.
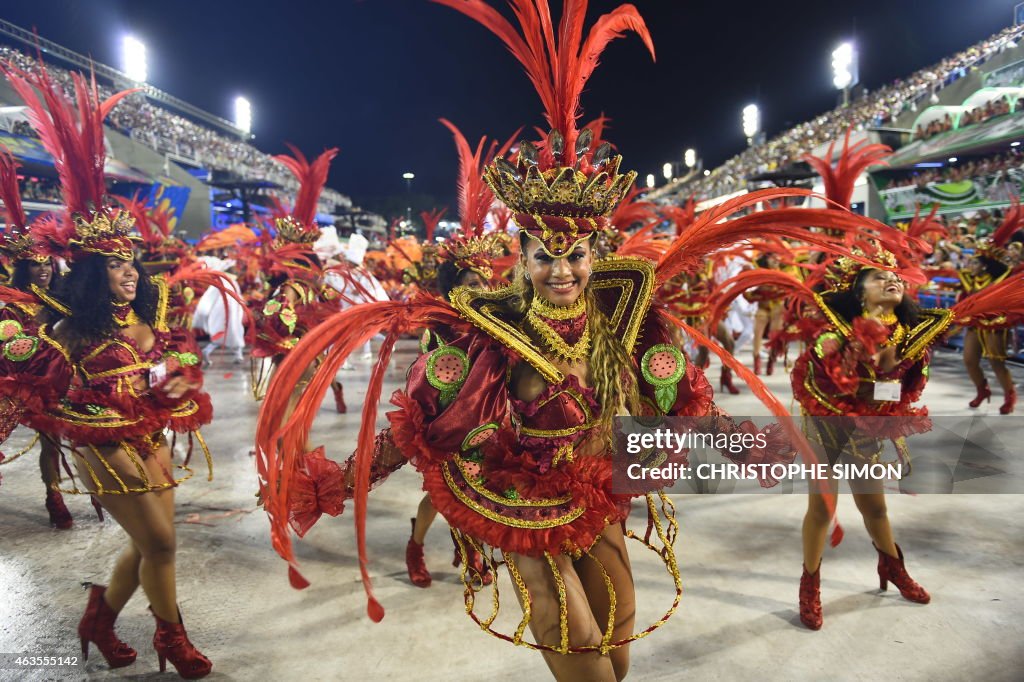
(312, 177)
(712, 231)
(430, 220)
(72, 132)
(557, 64)
(999, 305)
(279, 446)
(1013, 221)
(852, 161)
(16, 241)
(229, 237)
(73, 138)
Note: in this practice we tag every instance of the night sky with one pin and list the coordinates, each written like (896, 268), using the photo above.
(372, 77)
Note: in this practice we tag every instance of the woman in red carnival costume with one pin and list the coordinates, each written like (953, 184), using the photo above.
(133, 375)
(28, 267)
(510, 422)
(298, 299)
(464, 261)
(990, 339)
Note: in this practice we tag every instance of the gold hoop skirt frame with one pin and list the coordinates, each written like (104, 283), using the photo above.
(661, 522)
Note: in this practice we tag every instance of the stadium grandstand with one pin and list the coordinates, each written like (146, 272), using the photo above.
(891, 114)
(158, 141)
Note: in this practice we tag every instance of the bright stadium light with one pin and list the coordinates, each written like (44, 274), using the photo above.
(133, 53)
(650, 181)
(666, 171)
(243, 115)
(751, 121)
(690, 158)
(706, 172)
(408, 176)
(842, 66)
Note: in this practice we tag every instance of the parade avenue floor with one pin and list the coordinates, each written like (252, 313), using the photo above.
(739, 556)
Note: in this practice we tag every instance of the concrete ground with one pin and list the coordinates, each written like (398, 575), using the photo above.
(739, 556)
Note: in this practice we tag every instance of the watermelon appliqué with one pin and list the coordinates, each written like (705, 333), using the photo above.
(478, 436)
(662, 366)
(447, 369)
(20, 348)
(9, 329)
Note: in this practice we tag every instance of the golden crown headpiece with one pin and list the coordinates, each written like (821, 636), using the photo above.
(17, 245)
(986, 248)
(841, 275)
(107, 234)
(475, 253)
(560, 205)
(291, 231)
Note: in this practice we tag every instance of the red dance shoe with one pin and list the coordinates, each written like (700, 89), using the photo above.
(339, 398)
(810, 599)
(984, 393)
(725, 381)
(171, 643)
(476, 564)
(60, 517)
(891, 569)
(97, 626)
(1009, 402)
(757, 365)
(414, 562)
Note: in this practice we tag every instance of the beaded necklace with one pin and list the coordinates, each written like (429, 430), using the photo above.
(124, 315)
(563, 330)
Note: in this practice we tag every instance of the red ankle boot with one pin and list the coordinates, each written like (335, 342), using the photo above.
(810, 599)
(339, 398)
(97, 626)
(417, 567)
(60, 517)
(725, 381)
(171, 643)
(757, 365)
(892, 569)
(771, 364)
(1009, 402)
(984, 393)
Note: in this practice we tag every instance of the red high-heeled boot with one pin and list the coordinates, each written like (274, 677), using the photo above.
(771, 364)
(414, 562)
(891, 569)
(339, 398)
(1009, 401)
(97, 626)
(725, 381)
(810, 599)
(757, 365)
(171, 643)
(60, 517)
(984, 393)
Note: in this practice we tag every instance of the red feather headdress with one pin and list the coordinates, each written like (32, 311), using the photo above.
(853, 161)
(75, 140)
(16, 242)
(560, 192)
(470, 249)
(300, 226)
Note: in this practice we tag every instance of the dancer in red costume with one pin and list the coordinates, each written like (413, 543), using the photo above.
(133, 375)
(465, 261)
(556, 354)
(298, 298)
(990, 339)
(28, 267)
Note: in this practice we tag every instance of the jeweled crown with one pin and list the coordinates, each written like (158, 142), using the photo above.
(107, 234)
(291, 231)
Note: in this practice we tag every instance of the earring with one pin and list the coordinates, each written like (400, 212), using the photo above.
(526, 276)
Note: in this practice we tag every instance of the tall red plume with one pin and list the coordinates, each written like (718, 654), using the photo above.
(475, 197)
(278, 445)
(922, 227)
(711, 231)
(681, 216)
(198, 273)
(143, 219)
(728, 291)
(1012, 221)
(853, 161)
(998, 300)
(644, 243)
(430, 220)
(10, 191)
(558, 68)
(312, 177)
(74, 139)
(630, 211)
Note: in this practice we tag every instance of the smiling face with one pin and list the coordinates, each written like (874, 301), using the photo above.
(40, 274)
(559, 281)
(881, 289)
(123, 279)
